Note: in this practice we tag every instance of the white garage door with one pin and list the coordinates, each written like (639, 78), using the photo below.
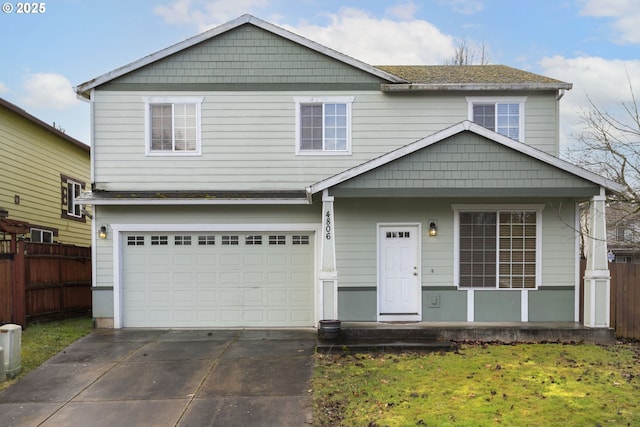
(222, 279)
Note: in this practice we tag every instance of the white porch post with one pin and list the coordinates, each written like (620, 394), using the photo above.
(328, 271)
(597, 280)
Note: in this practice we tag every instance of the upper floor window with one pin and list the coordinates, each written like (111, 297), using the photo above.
(173, 125)
(323, 125)
(70, 191)
(504, 115)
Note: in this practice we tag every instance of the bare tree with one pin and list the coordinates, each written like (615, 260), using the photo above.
(610, 146)
(469, 54)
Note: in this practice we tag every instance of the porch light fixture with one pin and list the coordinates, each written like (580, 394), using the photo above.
(433, 229)
(102, 233)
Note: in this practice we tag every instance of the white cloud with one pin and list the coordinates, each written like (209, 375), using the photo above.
(625, 15)
(3, 88)
(605, 82)
(387, 41)
(49, 90)
(465, 7)
(400, 39)
(207, 14)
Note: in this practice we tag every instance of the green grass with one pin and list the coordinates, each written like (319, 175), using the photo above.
(481, 385)
(41, 341)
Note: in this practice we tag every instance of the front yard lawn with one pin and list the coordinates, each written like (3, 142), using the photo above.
(481, 385)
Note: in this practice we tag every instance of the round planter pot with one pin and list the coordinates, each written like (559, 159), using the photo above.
(329, 329)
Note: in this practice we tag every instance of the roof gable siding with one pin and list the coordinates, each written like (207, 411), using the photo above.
(467, 161)
(246, 55)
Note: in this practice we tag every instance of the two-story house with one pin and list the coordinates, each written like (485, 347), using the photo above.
(42, 171)
(250, 177)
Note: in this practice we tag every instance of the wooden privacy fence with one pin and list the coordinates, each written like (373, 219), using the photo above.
(42, 280)
(625, 300)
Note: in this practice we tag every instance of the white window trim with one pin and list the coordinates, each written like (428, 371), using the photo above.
(348, 100)
(149, 100)
(71, 198)
(538, 208)
(521, 100)
(42, 232)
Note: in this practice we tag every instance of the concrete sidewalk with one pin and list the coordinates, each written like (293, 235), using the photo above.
(169, 378)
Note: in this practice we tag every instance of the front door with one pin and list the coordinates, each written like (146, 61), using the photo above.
(399, 273)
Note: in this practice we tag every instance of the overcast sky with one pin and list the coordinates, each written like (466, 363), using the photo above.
(594, 44)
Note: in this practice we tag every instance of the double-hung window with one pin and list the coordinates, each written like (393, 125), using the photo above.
(71, 189)
(323, 125)
(504, 115)
(498, 247)
(173, 125)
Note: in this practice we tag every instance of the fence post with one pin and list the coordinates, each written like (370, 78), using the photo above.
(19, 283)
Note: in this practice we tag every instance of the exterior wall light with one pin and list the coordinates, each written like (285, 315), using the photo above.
(433, 229)
(102, 233)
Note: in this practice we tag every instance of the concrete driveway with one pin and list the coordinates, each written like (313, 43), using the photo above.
(169, 378)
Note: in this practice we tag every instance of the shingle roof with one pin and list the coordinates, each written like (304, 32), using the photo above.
(498, 76)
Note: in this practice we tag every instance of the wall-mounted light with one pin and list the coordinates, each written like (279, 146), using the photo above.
(433, 229)
(102, 233)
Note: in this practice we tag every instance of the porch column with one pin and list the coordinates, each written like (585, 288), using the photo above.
(328, 272)
(597, 280)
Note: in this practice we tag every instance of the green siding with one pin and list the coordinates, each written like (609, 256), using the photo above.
(244, 56)
(497, 306)
(357, 305)
(356, 252)
(262, 139)
(552, 305)
(451, 306)
(468, 161)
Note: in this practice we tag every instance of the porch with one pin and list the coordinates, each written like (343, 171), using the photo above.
(445, 336)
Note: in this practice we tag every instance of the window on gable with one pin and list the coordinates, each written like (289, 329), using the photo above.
(323, 125)
(173, 126)
(502, 115)
(70, 190)
(498, 249)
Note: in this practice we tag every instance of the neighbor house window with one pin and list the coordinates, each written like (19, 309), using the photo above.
(498, 248)
(71, 189)
(173, 125)
(323, 125)
(502, 115)
(41, 236)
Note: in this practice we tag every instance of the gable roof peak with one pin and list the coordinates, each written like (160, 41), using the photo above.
(83, 90)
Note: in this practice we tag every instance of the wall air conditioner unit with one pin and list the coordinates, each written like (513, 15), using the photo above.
(11, 342)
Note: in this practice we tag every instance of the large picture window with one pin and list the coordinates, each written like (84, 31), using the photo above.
(502, 115)
(323, 125)
(498, 248)
(173, 126)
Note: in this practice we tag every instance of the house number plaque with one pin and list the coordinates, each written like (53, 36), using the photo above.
(327, 225)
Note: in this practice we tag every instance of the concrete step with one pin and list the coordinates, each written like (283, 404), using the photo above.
(369, 346)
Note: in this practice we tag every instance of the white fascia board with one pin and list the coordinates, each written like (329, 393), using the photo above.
(174, 202)
(453, 130)
(83, 88)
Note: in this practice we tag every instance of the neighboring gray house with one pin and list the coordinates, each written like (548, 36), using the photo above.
(249, 177)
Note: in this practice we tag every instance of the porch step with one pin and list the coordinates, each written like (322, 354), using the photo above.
(429, 337)
(368, 346)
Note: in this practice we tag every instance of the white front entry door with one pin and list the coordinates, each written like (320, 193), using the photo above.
(399, 287)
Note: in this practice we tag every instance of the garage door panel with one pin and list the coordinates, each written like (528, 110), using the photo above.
(221, 279)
